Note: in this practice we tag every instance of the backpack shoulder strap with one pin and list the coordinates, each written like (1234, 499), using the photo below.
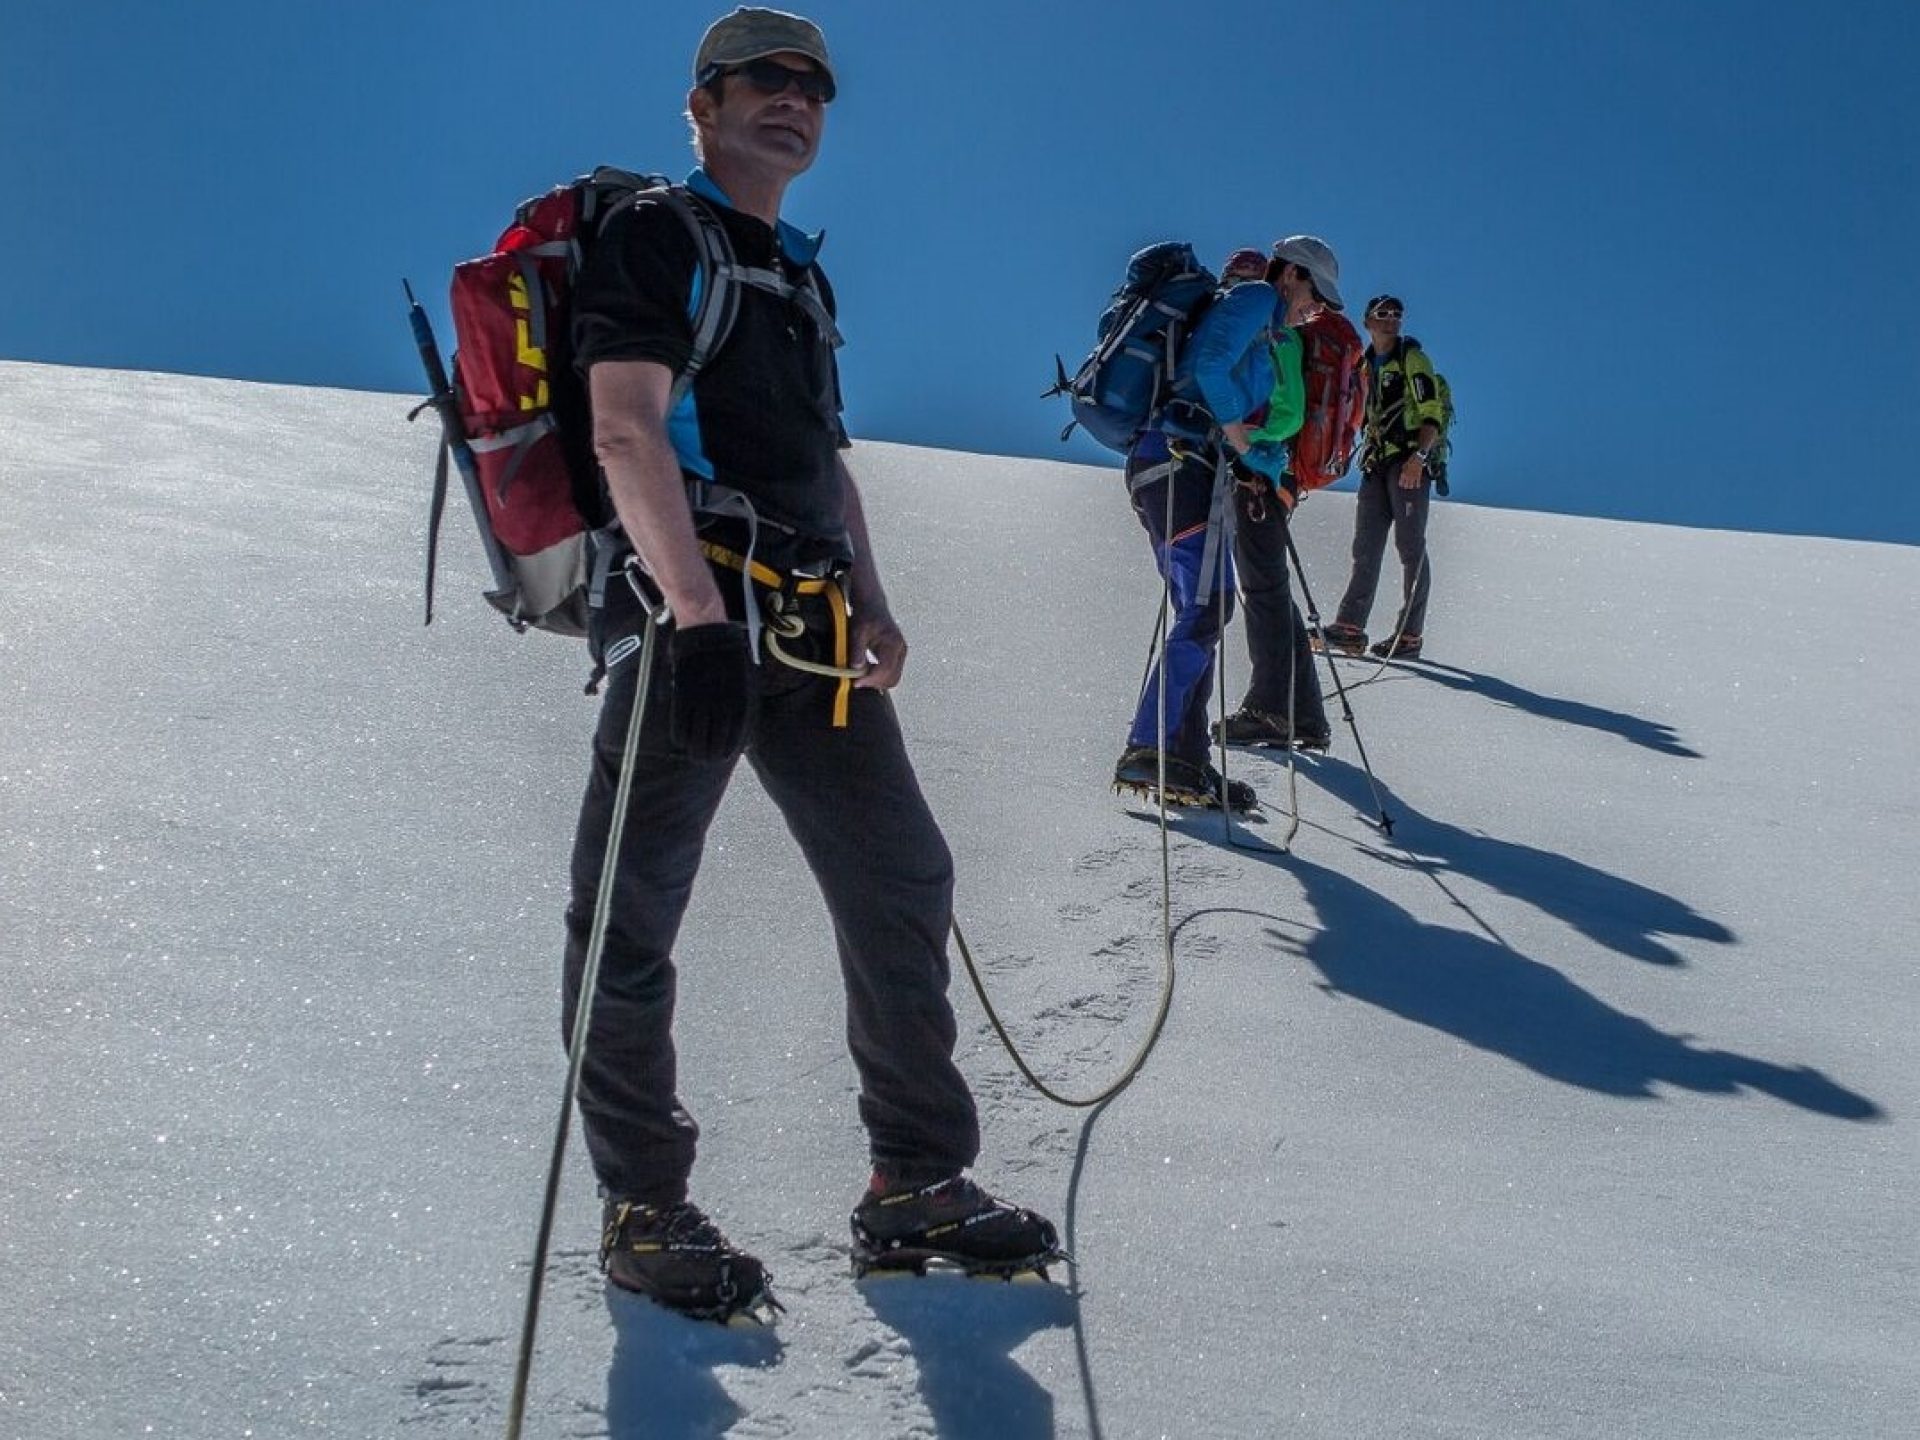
(715, 301)
(714, 297)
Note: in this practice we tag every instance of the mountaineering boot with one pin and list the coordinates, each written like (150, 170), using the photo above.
(1405, 647)
(1251, 726)
(677, 1257)
(951, 1222)
(1347, 639)
(1187, 784)
(1139, 769)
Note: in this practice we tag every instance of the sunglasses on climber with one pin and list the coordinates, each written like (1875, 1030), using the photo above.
(770, 77)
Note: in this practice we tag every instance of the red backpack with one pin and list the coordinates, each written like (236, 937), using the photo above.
(514, 416)
(1333, 361)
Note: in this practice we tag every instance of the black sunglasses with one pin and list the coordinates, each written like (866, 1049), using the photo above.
(770, 77)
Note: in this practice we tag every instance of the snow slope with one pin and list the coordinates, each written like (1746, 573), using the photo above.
(1581, 1105)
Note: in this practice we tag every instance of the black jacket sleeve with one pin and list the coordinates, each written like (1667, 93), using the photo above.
(632, 296)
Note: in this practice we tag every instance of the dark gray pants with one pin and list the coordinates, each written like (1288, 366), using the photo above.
(1276, 633)
(1383, 505)
(850, 798)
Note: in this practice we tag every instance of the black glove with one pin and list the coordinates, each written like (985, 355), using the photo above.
(712, 690)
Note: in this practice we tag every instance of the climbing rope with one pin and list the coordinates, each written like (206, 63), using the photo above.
(1383, 662)
(582, 1021)
(1131, 1071)
(784, 623)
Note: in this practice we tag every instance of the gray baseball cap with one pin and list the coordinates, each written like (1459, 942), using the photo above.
(1316, 257)
(750, 34)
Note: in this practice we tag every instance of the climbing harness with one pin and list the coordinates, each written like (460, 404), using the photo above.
(778, 614)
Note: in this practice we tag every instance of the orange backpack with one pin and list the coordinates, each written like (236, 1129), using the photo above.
(1333, 363)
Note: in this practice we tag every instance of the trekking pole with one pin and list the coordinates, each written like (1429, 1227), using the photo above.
(1220, 672)
(442, 401)
(582, 1018)
(1216, 537)
(1293, 709)
(1346, 707)
(1154, 645)
(1226, 583)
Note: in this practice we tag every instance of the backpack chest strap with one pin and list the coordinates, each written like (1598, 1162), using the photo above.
(806, 295)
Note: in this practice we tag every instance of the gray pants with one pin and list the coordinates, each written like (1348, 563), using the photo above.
(1383, 505)
(850, 798)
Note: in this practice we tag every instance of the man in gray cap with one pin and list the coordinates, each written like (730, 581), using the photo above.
(1322, 267)
(760, 425)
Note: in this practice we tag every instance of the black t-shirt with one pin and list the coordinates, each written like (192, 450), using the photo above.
(764, 415)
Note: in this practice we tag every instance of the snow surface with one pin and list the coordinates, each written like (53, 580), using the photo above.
(1581, 1106)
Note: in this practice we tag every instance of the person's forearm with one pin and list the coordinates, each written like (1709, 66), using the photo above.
(650, 498)
(648, 491)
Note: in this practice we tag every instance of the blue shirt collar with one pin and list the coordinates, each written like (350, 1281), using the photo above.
(796, 244)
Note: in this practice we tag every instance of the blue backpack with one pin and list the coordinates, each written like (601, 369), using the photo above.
(1130, 377)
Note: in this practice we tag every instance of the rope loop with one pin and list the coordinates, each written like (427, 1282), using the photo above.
(784, 622)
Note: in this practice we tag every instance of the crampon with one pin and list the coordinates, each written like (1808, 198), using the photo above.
(951, 1225)
(677, 1257)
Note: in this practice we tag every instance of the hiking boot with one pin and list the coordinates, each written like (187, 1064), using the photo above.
(1250, 726)
(1405, 647)
(1346, 639)
(951, 1222)
(677, 1257)
(1140, 767)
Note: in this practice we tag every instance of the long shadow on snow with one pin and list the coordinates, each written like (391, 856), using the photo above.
(1498, 1000)
(1649, 733)
(660, 1382)
(962, 1334)
(1621, 914)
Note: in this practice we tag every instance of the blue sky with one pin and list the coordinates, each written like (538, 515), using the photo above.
(1663, 252)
